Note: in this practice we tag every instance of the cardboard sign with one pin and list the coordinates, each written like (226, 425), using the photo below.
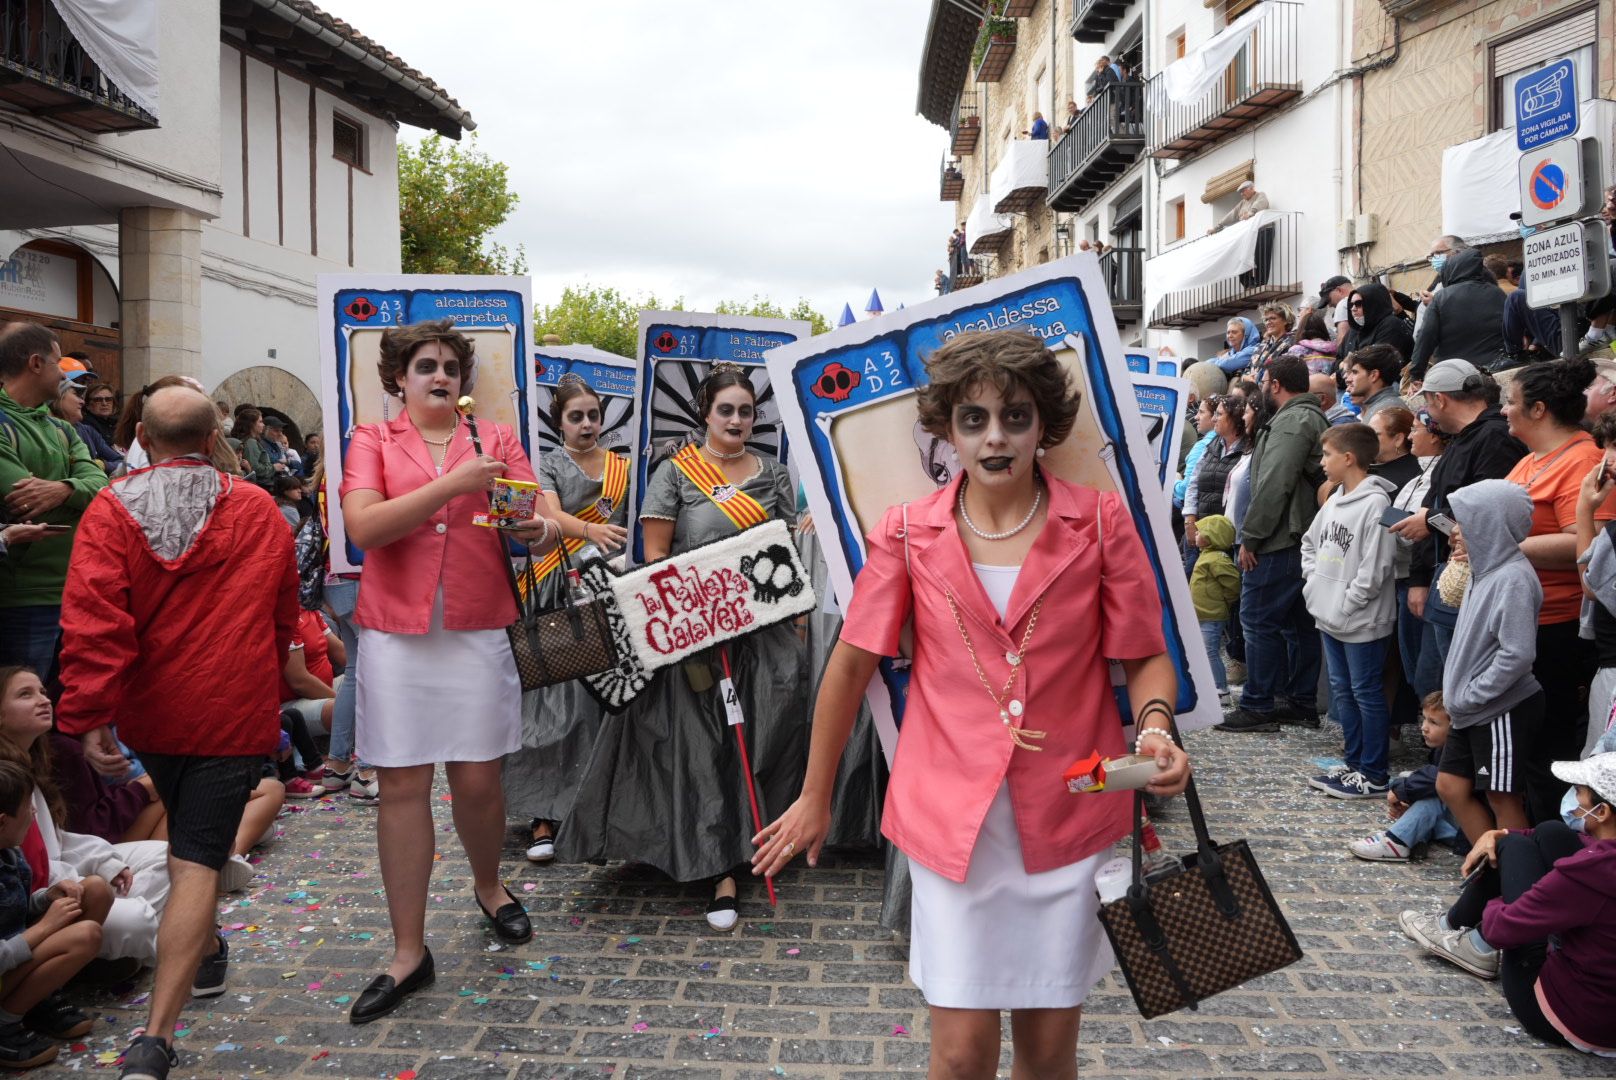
(676, 350)
(847, 399)
(676, 607)
(615, 378)
(354, 310)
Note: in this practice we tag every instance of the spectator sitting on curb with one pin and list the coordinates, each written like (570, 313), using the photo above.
(1412, 803)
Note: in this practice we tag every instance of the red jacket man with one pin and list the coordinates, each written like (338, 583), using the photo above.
(180, 604)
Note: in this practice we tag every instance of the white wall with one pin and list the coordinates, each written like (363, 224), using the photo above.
(1299, 156)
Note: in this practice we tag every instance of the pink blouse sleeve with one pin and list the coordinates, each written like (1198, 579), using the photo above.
(881, 592)
(363, 468)
(508, 448)
(1130, 599)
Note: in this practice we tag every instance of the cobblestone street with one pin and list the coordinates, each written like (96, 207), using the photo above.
(624, 979)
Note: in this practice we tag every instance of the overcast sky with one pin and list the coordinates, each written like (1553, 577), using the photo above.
(708, 150)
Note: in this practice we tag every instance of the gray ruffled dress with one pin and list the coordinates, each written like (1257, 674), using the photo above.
(664, 785)
(559, 723)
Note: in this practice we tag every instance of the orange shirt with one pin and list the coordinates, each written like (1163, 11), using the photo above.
(1554, 481)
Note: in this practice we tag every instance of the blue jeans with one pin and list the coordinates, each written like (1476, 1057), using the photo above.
(1410, 647)
(1358, 702)
(341, 594)
(1212, 637)
(1190, 553)
(32, 636)
(1426, 820)
(1282, 645)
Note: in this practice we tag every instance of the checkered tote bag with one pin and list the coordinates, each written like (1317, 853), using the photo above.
(1206, 926)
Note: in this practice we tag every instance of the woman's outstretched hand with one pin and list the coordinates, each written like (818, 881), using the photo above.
(800, 830)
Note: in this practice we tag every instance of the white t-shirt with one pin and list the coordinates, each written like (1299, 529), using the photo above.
(1341, 313)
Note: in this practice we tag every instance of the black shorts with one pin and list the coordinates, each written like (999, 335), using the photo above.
(204, 797)
(1498, 755)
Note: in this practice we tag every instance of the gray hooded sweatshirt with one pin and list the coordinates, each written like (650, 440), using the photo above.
(1348, 564)
(1489, 668)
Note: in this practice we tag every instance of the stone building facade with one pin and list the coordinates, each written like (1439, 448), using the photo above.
(1447, 86)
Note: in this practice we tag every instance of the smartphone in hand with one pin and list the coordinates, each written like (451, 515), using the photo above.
(1391, 516)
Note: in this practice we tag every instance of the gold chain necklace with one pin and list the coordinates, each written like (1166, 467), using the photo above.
(1013, 706)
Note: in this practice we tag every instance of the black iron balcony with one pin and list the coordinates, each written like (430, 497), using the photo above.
(965, 124)
(1263, 76)
(1104, 140)
(1274, 277)
(44, 71)
(1124, 272)
(995, 49)
(1092, 20)
(952, 184)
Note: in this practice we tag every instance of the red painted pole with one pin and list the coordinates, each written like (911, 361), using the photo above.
(746, 767)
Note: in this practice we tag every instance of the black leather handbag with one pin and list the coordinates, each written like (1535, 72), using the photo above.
(555, 645)
(1202, 928)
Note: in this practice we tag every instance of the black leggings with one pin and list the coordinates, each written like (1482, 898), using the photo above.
(1522, 862)
(292, 723)
(1564, 667)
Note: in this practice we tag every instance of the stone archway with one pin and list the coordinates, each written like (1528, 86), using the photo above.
(276, 392)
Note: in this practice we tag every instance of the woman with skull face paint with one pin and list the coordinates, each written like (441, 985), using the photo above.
(664, 785)
(1019, 587)
(585, 485)
(436, 681)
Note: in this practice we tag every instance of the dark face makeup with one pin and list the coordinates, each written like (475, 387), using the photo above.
(432, 379)
(731, 417)
(996, 435)
(580, 422)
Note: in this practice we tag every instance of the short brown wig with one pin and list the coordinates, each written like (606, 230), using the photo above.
(399, 345)
(1008, 359)
(1359, 440)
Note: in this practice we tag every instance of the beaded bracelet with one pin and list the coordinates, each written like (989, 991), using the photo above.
(1144, 732)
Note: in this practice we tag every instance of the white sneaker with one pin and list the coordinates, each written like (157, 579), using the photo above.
(236, 874)
(722, 914)
(1424, 930)
(1381, 847)
(365, 792)
(1457, 948)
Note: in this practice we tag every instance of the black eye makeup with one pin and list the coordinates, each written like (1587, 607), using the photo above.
(578, 416)
(426, 366)
(727, 410)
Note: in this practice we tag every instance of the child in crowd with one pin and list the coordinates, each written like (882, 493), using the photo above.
(1412, 801)
(1215, 587)
(1540, 912)
(308, 696)
(1497, 740)
(46, 937)
(289, 497)
(1348, 562)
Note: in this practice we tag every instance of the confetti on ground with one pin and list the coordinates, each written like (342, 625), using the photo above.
(641, 1026)
(793, 952)
(226, 1048)
(899, 1029)
(321, 1056)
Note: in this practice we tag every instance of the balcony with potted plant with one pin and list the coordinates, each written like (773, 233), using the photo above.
(995, 45)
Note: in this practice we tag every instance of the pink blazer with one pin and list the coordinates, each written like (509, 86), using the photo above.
(1100, 601)
(400, 580)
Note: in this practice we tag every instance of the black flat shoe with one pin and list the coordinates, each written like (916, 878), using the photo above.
(383, 995)
(510, 922)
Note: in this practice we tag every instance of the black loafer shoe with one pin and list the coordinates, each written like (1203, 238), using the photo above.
(383, 995)
(510, 922)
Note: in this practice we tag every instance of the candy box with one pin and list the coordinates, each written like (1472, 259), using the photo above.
(1127, 773)
(509, 504)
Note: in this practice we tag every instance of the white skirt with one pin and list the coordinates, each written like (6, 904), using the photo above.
(446, 695)
(1007, 939)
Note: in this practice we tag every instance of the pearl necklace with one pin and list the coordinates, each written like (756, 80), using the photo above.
(720, 455)
(574, 452)
(1037, 500)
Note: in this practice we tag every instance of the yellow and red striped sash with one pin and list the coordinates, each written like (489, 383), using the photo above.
(613, 486)
(742, 510)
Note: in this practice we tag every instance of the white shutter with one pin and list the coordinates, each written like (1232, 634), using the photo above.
(1548, 43)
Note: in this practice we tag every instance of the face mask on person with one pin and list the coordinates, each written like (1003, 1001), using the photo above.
(1439, 261)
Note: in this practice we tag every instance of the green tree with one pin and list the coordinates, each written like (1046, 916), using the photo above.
(763, 307)
(597, 315)
(450, 197)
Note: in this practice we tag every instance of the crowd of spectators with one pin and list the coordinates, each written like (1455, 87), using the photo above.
(1423, 507)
